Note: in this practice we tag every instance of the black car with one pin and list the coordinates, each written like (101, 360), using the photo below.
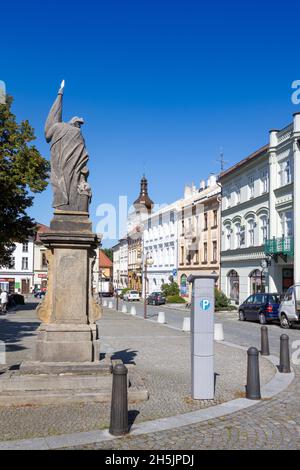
(156, 298)
(260, 307)
(15, 299)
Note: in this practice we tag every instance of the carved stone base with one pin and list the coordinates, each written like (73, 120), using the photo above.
(67, 343)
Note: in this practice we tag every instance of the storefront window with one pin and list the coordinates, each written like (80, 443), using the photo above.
(257, 282)
(233, 285)
(183, 285)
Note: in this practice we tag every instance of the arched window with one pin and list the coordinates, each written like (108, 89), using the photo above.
(250, 232)
(263, 232)
(257, 281)
(227, 237)
(233, 285)
(237, 235)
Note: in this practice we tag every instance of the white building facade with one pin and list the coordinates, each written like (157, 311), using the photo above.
(120, 264)
(160, 244)
(19, 276)
(259, 206)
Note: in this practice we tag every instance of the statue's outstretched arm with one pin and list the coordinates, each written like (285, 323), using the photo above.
(55, 114)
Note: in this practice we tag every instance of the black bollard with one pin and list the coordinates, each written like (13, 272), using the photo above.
(117, 301)
(284, 365)
(119, 402)
(253, 380)
(265, 350)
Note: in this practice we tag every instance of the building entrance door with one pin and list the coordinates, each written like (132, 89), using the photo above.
(25, 286)
(287, 278)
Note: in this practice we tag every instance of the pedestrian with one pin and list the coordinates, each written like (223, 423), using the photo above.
(4, 301)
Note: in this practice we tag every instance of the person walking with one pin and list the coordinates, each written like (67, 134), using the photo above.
(4, 301)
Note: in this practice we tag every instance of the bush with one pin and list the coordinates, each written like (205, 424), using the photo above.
(221, 301)
(126, 289)
(175, 299)
(170, 289)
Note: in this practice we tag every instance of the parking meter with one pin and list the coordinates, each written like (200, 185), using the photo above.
(202, 336)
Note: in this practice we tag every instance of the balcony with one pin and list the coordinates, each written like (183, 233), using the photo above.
(282, 247)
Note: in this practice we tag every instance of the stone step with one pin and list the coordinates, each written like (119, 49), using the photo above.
(14, 381)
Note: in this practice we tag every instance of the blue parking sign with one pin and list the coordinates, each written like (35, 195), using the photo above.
(204, 304)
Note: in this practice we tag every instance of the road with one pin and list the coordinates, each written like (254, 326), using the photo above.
(243, 333)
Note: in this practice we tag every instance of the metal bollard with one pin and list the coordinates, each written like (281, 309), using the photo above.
(265, 350)
(253, 380)
(284, 365)
(119, 402)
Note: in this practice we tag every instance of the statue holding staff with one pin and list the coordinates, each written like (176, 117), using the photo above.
(69, 158)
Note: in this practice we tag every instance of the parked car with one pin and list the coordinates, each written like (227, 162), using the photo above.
(156, 298)
(106, 289)
(15, 299)
(260, 307)
(131, 295)
(289, 309)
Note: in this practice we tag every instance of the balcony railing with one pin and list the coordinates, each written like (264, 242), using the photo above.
(280, 246)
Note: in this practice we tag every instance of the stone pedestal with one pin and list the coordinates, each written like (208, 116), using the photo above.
(67, 366)
(68, 312)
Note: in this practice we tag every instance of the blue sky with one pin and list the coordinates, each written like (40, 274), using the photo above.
(162, 85)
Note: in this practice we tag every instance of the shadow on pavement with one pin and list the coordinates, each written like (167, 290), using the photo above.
(16, 331)
(132, 415)
(126, 355)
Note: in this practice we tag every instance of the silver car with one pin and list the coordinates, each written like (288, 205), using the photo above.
(289, 309)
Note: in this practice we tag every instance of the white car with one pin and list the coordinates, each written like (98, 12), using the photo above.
(289, 309)
(131, 295)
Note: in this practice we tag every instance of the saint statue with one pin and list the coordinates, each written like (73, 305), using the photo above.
(69, 157)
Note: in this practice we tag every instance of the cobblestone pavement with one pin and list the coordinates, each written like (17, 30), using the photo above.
(162, 356)
(272, 424)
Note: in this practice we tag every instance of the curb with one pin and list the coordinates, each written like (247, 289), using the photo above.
(276, 385)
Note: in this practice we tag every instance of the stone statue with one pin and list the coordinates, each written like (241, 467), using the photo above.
(68, 159)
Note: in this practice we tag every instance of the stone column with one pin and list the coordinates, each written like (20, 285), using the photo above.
(69, 312)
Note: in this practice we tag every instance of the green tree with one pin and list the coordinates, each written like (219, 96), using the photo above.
(109, 253)
(22, 170)
(170, 289)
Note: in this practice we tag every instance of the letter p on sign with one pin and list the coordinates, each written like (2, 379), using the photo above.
(204, 304)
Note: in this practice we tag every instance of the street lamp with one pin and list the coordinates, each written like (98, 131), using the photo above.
(147, 262)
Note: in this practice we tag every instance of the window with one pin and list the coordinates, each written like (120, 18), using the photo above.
(24, 263)
(172, 216)
(233, 285)
(251, 232)
(204, 252)
(205, 221)
(251, 186)
(160, 219)
(237, 194)
(182, 255)
(228, 237)
(25, 247)
(285, 172)
(257, 281)
(215, 218)
(196, 257)
(264, 181)
(263, 229)
(12, 264)
(237, 235)
(215, 252)
(149, 224)
(44, 260)
(287, 224)
(229, 198)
